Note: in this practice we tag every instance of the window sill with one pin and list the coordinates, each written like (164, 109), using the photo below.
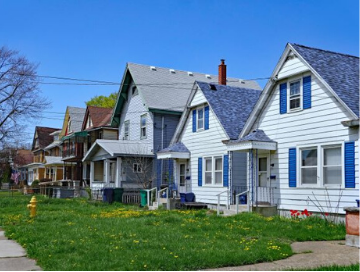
(295, 110)
(336, 187)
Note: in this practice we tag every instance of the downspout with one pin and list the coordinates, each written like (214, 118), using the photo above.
(252, 176)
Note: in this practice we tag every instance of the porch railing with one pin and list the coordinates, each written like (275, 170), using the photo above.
(227, 200)
(265, 196)
(248, 201)
(149, 196)
(167, 197)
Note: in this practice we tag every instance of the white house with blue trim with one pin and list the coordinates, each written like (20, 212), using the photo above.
(302, 137)
(203, 165)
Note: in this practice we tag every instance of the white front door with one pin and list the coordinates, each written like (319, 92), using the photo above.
(184, 182)
(263, 171)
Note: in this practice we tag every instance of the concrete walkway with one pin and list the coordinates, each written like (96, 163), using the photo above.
(309, 255)
(13, 256)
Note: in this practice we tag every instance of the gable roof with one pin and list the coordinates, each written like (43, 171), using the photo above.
(231, 105)
(43, 134)
(100, 117)
(256, 135)
(340, 71)
(76, 116)
(321, 63)
(23, 157)
(177, 147)
(165, 89)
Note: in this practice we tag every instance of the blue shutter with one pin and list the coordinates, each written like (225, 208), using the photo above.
(292, 167)
(226, 171)
(349, 165)
(200, 172)
(283, 98)
(206, 117)
(194, 120)
(307, 92)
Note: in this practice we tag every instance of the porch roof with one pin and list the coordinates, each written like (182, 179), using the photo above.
(257, 139)
(52, 160)
(103, 149)
(174, 151)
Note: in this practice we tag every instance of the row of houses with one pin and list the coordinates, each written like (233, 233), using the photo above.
(292, 145)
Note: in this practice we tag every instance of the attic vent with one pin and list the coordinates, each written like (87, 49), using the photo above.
(190, 74)
(172, 71)
(242, 81)
(208, 76)
(212, 87)
(152, 68)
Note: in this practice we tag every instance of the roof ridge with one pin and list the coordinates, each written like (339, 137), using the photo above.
(228, 86)
(185, 71)
(328, 51)
(48, 127)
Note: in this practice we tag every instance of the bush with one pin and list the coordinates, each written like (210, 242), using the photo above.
(35, 183)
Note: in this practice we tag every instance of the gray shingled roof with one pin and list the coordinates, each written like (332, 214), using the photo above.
(232, 105)
(166, 90)
(255, 135)
(340, 71)
(177, 147)
(77, 117)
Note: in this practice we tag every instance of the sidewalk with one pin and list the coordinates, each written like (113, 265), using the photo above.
(309, 255)
(13, 256)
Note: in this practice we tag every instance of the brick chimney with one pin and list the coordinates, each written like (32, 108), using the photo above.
(222, 72)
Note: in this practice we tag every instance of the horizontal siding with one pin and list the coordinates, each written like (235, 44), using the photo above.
(291, 67)
(133, 109)
(320, 124)
(198, 99)
(110, 134)
(200, 144)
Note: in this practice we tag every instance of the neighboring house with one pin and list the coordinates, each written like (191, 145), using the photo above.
(42, 138)
(96, 123)
(302, 137)
(53, 162)
(149, 106)
(72, 143)
(214, 113)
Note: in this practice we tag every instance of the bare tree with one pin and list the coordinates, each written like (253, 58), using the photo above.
(20, 99)
(142, 168)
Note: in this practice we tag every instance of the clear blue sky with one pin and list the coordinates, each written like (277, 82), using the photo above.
(95, 39)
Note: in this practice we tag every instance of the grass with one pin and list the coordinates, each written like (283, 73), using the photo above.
(78, 235)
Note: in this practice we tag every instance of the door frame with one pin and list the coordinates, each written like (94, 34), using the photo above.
(187, 182)
(261, 156)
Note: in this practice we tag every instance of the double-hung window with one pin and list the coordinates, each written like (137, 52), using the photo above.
(143, 126)
(332, 173)
(295, 95)
(321, 165)
(126, 130)
(309, 163)
(213, 170)
(200, 115)
(137, 168)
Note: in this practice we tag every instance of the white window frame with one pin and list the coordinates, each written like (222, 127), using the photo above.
(141, 127)
(197, 119)
(300, 108)
(138, 168)
(127, 132)
(213, 171)
(320, 165)
(309, 167)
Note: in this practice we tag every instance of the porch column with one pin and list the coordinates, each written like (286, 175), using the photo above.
(106, 172)
(55, 173)
(118, 172)
(92, 172)
(84, 166)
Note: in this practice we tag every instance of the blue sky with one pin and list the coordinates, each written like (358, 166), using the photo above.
(95, 39)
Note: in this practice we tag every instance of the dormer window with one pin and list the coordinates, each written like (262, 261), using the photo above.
(126, 130)
(143, 126)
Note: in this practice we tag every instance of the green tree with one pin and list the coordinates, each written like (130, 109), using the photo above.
(103, 101)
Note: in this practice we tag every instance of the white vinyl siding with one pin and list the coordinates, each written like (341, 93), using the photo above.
(319, 125)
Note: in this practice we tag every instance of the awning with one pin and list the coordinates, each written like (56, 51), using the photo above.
(257, 139)
(76, 134)
(174, 151)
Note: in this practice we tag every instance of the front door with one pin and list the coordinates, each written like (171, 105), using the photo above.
(263, 171)
(183, 177)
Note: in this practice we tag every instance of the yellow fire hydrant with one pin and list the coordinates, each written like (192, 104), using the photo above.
(32, 207)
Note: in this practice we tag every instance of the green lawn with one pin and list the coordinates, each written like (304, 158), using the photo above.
(77, 235)
(353, 267)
